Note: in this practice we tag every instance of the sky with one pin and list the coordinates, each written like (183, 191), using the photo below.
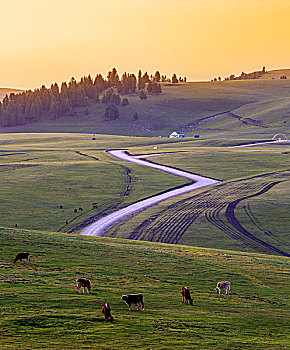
(47, 41)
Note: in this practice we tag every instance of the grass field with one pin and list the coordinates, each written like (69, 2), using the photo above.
(41, 172)
(49, 182)
(40, 308)
(256, 177)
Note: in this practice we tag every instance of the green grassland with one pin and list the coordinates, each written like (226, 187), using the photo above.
(40, 308)
(64, 163)
(41, 172)
(184, 108)
(199, 218)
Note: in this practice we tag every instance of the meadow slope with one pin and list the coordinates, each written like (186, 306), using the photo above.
(193, 107)
(40, 308)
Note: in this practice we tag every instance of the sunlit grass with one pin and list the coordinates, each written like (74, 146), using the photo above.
(41, 308)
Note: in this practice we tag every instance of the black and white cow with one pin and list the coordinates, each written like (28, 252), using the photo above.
(186, 296)
(83, 283)
(223, 284)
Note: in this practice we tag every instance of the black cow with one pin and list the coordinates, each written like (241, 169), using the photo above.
(106, 310)
(186, 296)
(21, 256)
(133, 299)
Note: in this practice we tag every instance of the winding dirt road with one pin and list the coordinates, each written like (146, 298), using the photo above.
(103, 224)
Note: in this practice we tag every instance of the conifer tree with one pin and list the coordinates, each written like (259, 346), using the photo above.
(174, 79)
(142, 95)
(125, 102)
(157, 76)
(111, 112)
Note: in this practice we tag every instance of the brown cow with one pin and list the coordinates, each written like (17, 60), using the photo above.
(21, 256)
(83, 283)
(106, 310)
(223, 284)
(133, 299)
(186, 296)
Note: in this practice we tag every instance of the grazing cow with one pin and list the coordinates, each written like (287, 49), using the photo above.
(133, 299)
(83, 283)
(186, 296)
(106, 310)
(21, 256)
(221, 285)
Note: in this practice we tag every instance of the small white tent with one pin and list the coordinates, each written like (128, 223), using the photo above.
(174, 135)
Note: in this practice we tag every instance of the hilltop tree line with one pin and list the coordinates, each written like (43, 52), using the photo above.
(54, 102)
(243, 76)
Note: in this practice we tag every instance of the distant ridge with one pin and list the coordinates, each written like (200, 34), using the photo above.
(7, 91)
(263, 74)
(276, 74)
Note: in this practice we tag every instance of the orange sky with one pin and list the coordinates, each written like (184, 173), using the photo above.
(44, 41)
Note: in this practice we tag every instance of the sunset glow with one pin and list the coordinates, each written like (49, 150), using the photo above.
(44, 41)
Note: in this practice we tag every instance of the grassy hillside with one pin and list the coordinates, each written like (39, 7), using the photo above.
(184, 107)
(40, 308)
(276, 74)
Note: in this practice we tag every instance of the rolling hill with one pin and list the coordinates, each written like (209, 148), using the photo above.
(242, 107)
(276, 74)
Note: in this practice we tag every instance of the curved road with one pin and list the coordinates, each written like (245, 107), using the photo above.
(103, 224)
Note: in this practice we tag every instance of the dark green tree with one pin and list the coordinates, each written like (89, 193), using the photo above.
(142, 95)
(135, 116)
(111, 112)
(157, 76)
(125, 102)
(174, 79)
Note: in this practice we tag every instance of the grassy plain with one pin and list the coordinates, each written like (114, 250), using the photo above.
(40, 172)
(200, 218)
(40, 308)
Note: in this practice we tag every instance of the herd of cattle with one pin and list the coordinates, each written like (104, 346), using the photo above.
(129, 299)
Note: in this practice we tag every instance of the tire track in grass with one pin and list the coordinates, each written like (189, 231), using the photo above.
(257, 223)
(171, 224)
(230, 214)
(214, 219)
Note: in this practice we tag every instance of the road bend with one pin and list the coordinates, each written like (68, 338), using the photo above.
(99, 227)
